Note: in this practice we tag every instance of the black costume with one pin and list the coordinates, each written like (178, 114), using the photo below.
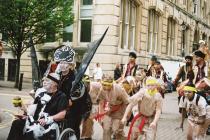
(57, 104)
(79, 102)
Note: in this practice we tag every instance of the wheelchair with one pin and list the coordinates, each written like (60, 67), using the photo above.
(65, 133)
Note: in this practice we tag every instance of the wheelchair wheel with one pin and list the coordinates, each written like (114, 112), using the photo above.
(67, 134)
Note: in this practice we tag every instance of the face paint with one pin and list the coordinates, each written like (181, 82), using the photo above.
(188, 93)
(47, 84)
(151, 87)
(152, 92)
(106, 86)
(64, 67)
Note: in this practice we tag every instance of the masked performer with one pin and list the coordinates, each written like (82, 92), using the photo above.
(198, 113)
(78, 98)
(149, 101)
(113, 100)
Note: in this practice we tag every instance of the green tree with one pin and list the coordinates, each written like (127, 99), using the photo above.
(41, 18)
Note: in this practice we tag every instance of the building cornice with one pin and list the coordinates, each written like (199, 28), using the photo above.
(197, 19)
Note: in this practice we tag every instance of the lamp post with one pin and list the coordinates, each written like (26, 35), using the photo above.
(184, 28)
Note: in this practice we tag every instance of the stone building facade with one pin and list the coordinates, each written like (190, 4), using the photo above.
(169, 29)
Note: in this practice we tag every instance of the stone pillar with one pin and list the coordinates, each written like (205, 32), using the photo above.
(106, 13)
(76, 23)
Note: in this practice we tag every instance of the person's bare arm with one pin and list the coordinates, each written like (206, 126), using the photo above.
(101, 106)
(157, 114)
(178, 76)
(184, 113)
(127, 113)
(59, 116)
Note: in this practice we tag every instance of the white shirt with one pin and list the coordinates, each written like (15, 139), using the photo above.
(194, 110)
(97, 73)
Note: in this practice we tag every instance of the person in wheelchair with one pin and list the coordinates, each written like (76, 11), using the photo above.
(50, 108)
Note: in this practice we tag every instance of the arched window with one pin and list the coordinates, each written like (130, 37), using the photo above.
(170, 47)
(129, 20)
(153, 31)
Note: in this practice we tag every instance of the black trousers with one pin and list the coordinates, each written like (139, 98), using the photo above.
(74, 121)
(16, 131)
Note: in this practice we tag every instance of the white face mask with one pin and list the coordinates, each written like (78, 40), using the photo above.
(63, 67)
(47, 85)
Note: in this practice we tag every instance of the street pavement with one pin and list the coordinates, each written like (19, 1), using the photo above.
(169, 120)
(7, 93)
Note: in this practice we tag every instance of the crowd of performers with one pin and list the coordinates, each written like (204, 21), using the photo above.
(135, 99)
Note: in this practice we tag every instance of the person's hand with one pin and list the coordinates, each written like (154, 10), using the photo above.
(42, 122)
(124, 120)
(152, 125)
(49, 120)
(18, 116)
(70, 103)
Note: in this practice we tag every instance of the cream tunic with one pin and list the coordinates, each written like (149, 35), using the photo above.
(147, 104)
(117, 96)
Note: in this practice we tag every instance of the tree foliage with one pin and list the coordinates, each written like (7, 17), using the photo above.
(19, 18)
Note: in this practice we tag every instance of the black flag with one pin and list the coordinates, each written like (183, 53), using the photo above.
(36, 76)
(92, 47)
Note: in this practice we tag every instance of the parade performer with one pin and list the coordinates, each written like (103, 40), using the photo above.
(129, 84)
(78, 93)
(151, 70)
(129, 69)
(87, 125)
(200, 69)
(198, 113)
(159, 72)
(50, 108)
(184, 70)
(64, 56)
(113, 100)
(149, 100)
(185, 73)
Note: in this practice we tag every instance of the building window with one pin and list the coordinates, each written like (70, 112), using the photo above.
(195, 2)
(43, 65)
(196, 40)
(204, 36)
(68, 33)
(204, 9)
(2, 68)
(171, 36)
(153, 34)
(85, 35)
(4, 37)
(85, 21)
(67, 37)
(185, 2)
(50, 33)
(184, 39)
(186, 42)
(128, 17)
(87, 2)
(12, 64)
